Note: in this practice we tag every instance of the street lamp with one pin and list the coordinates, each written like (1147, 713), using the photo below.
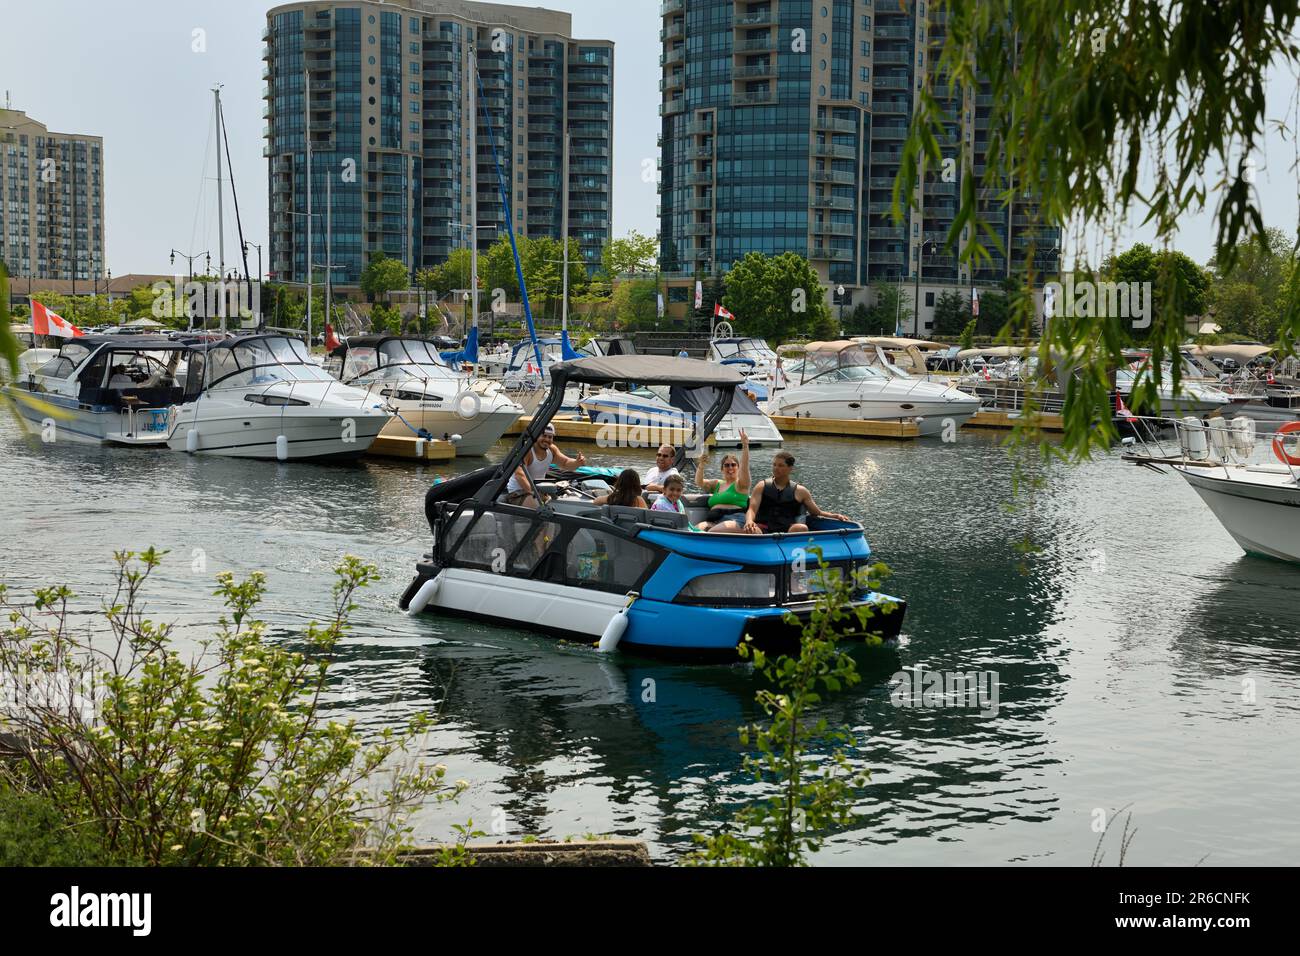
(916, 300)
(190, 259)
(839, 294)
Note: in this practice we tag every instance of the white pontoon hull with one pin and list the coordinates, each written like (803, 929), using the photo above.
(1262, 514)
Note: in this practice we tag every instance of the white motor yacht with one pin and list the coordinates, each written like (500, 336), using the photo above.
(659, 406)
(842, 380)
(1256, 501)
(410, 375)
(103, 389)
(264, 397)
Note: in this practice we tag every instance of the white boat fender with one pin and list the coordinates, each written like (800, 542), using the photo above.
(281, 447)
(1243, 436)
(419, 448)
(192, 440)
(616, 627)
(428, 591)
(1220, 438)
(1193, 439)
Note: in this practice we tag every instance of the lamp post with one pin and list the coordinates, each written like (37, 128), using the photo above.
(839, 294)
(190, 259)
(916, 301)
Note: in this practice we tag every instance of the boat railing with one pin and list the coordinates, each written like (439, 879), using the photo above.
(1215, 442)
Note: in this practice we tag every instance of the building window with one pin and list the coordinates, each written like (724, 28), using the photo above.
(929, 300)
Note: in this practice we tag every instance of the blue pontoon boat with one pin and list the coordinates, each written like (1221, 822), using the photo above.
(572, 567)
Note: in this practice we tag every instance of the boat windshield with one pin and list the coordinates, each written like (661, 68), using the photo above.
(844, 365)
(262, 361)
(756, 350)
(65, 363)
(395, 361)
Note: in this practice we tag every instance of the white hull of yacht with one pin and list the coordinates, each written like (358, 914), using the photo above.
(477, 434)
(254, 431)
(930, 413)
(1259, 507)
(89, 425)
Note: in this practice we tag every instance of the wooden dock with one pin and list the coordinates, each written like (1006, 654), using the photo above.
(897, 430)
(410, 448)
(1047, 421)
(611, 434)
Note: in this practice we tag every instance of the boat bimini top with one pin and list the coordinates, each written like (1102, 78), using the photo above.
(711, 387)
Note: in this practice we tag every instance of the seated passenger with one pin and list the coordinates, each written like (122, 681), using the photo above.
(671, 499)
(535, 465)
(626, 492)
(654, 478)
(728, 495)
(775, 504)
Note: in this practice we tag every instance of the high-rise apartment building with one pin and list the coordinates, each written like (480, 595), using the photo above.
(51, 200)
(382, 93)
(782, 130)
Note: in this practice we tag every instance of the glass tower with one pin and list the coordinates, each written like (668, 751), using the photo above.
(382, 93)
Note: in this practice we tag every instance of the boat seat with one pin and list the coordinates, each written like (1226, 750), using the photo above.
(625, 517)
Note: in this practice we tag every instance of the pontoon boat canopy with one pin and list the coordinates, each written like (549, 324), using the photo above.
(892, 342)
(1239, 353)
(647, 370)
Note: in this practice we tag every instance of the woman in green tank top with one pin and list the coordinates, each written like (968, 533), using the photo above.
(730, 493)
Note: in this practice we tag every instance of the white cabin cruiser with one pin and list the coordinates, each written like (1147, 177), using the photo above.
(753, 358)
(103, 389)
(1196, 394)
(1257, 502)
(410, 375)
(264, 397)
(662, 407)
(842, 380)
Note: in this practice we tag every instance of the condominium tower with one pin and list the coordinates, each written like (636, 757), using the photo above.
(51, 200)
(782, 130)
(383, 94)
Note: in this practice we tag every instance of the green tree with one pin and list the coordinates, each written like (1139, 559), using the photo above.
(891, 306)
(950, 314)
(632, 254)
(967, 339)
(778, 298)
(1177, 283)
(635, 304)
(383, 276)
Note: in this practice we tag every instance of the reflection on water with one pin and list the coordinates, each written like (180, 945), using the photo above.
(1141, 658)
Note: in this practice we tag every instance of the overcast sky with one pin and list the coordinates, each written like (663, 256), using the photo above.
(126, 70)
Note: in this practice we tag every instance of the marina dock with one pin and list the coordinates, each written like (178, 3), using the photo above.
(986, 418)
(410, 448)
(614, 434)
(897, 430)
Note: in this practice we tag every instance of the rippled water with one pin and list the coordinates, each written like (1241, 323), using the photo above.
(1127, 647)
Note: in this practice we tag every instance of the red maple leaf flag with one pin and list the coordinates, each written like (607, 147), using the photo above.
(722, 313)
(331, 340)
(48, 322)
(1122, 410)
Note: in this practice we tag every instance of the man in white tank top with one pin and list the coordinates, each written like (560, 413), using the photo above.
(519, 491)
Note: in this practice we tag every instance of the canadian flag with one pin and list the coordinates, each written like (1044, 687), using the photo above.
(974, 302)
(331, 340)
(48, 322)
(1271, 379)
(987, 376)
(722, 313)
(1121, 409)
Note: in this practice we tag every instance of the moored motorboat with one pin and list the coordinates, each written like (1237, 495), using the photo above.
(428, 397)
(843, 380)
(662, 407)
(104, 389)
(635, 578)
(263, 397)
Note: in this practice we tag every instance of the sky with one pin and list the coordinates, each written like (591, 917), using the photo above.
(136, 73)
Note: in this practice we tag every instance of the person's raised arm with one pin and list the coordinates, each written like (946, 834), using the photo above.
(700, 480)
(742, 479)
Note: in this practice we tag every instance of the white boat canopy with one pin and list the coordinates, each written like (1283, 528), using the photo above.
(893, 342)
(1240, 353)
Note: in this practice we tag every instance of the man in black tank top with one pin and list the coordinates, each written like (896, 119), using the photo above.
(775, 503)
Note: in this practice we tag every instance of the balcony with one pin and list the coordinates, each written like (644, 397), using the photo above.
(893, 56)
(672, 107)
(833, 202)
(890, 131)
(669, 7)
(698, 229)
(834, 176)
(883, 208)
(747, 21)
(753, 99)
(697, 178)
(698, 203)
(580, 94)
(897, 233)
(833, 255)
(892, 105)
(439, 115)
(675, 55)
(589, 112)
(699, 128)
(830, 124)
(900, 82)
(833, 229)
(762, 44)
(889, 157)
(886, 258)
(893, 33)
(754, 71)
(318, 46)
(940, 189)
(831, 149)
(674, 31)
(672, 81)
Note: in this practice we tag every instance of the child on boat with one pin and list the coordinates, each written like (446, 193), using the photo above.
(671, 499)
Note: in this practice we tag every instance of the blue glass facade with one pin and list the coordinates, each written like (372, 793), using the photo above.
(386, 109)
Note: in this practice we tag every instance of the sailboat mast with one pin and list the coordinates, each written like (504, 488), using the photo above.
(329, 264)
(307, 85)
(564, 234)
(221, 225)
(473, 190)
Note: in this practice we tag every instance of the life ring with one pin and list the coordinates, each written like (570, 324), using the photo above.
(1278, 445)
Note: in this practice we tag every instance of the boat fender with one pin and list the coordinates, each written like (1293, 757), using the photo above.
(192, 440)
(1220, 439)
(428, 591)
(616, 627)
(456, 439)
(419, 448)
(1279, 444)
(1243, 436)
(281, 447)
(1193, 440)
